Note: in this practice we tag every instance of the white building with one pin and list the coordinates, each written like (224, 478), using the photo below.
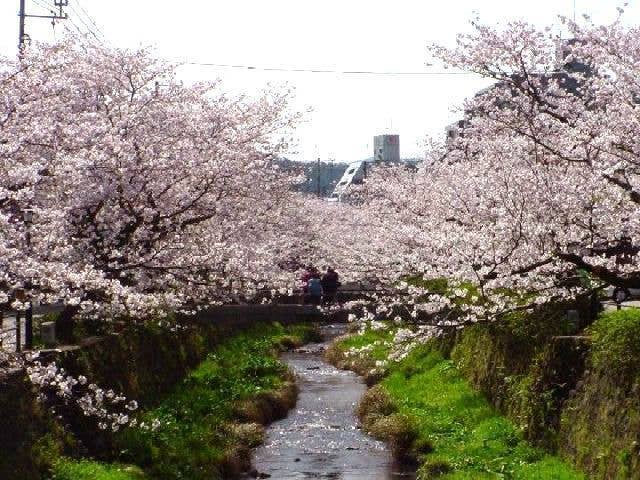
(353, 175)
(386, 148)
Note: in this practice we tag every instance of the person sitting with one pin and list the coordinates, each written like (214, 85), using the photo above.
(314, 290)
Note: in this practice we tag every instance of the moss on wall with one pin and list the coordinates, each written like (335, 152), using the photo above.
(526, 365)
(600, 424)
(536, 399)
(600, 427)
(22, 423)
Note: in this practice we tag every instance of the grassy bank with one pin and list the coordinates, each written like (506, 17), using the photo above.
(425, 410)
(209, 423)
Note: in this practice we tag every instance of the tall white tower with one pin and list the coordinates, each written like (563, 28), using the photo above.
(386, 148)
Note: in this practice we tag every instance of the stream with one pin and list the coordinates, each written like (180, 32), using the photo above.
(321, 437)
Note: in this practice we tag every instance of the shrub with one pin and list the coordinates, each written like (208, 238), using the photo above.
(249, 434)
(434, 468)
(398, 431)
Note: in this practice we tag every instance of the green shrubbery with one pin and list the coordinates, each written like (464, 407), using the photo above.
(377, 343)
(576, 395)
(469, 438)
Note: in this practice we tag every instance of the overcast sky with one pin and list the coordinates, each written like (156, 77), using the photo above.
(347, 110)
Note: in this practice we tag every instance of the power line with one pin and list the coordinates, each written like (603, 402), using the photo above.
(49, 8)
(88, 27)
(86, 14)
(80, 32)
(320, 70)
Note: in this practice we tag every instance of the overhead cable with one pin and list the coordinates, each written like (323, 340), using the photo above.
(86, 14)
(321, 70)
(88, 27)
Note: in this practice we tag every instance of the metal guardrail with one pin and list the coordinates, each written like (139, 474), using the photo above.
(619, 306)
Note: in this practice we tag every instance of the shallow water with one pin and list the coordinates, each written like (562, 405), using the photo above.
(321, 437)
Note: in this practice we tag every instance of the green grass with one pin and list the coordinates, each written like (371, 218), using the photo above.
(67, 469)
(200, 433)
(362, 362)
(377, 338)
(616, 343)
(470, 440)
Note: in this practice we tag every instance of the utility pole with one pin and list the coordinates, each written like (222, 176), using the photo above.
(318, 177)
(330, 176)
(18, 333)
(22, 15)
(21, 29)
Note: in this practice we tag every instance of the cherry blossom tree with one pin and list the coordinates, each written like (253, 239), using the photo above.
(126, 194)
(550, 154)
(538, 192)
(145, 194)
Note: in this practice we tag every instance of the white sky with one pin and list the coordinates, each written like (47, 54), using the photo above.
(347, 111)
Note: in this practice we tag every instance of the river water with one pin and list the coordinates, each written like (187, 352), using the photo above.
(321, 437)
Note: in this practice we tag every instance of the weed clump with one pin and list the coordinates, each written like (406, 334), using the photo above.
(435, 468)
(362, 352)
(267, 406)
(379, 417)
(398, 431)
(289, 342)
(375, 403)
(249, 434)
